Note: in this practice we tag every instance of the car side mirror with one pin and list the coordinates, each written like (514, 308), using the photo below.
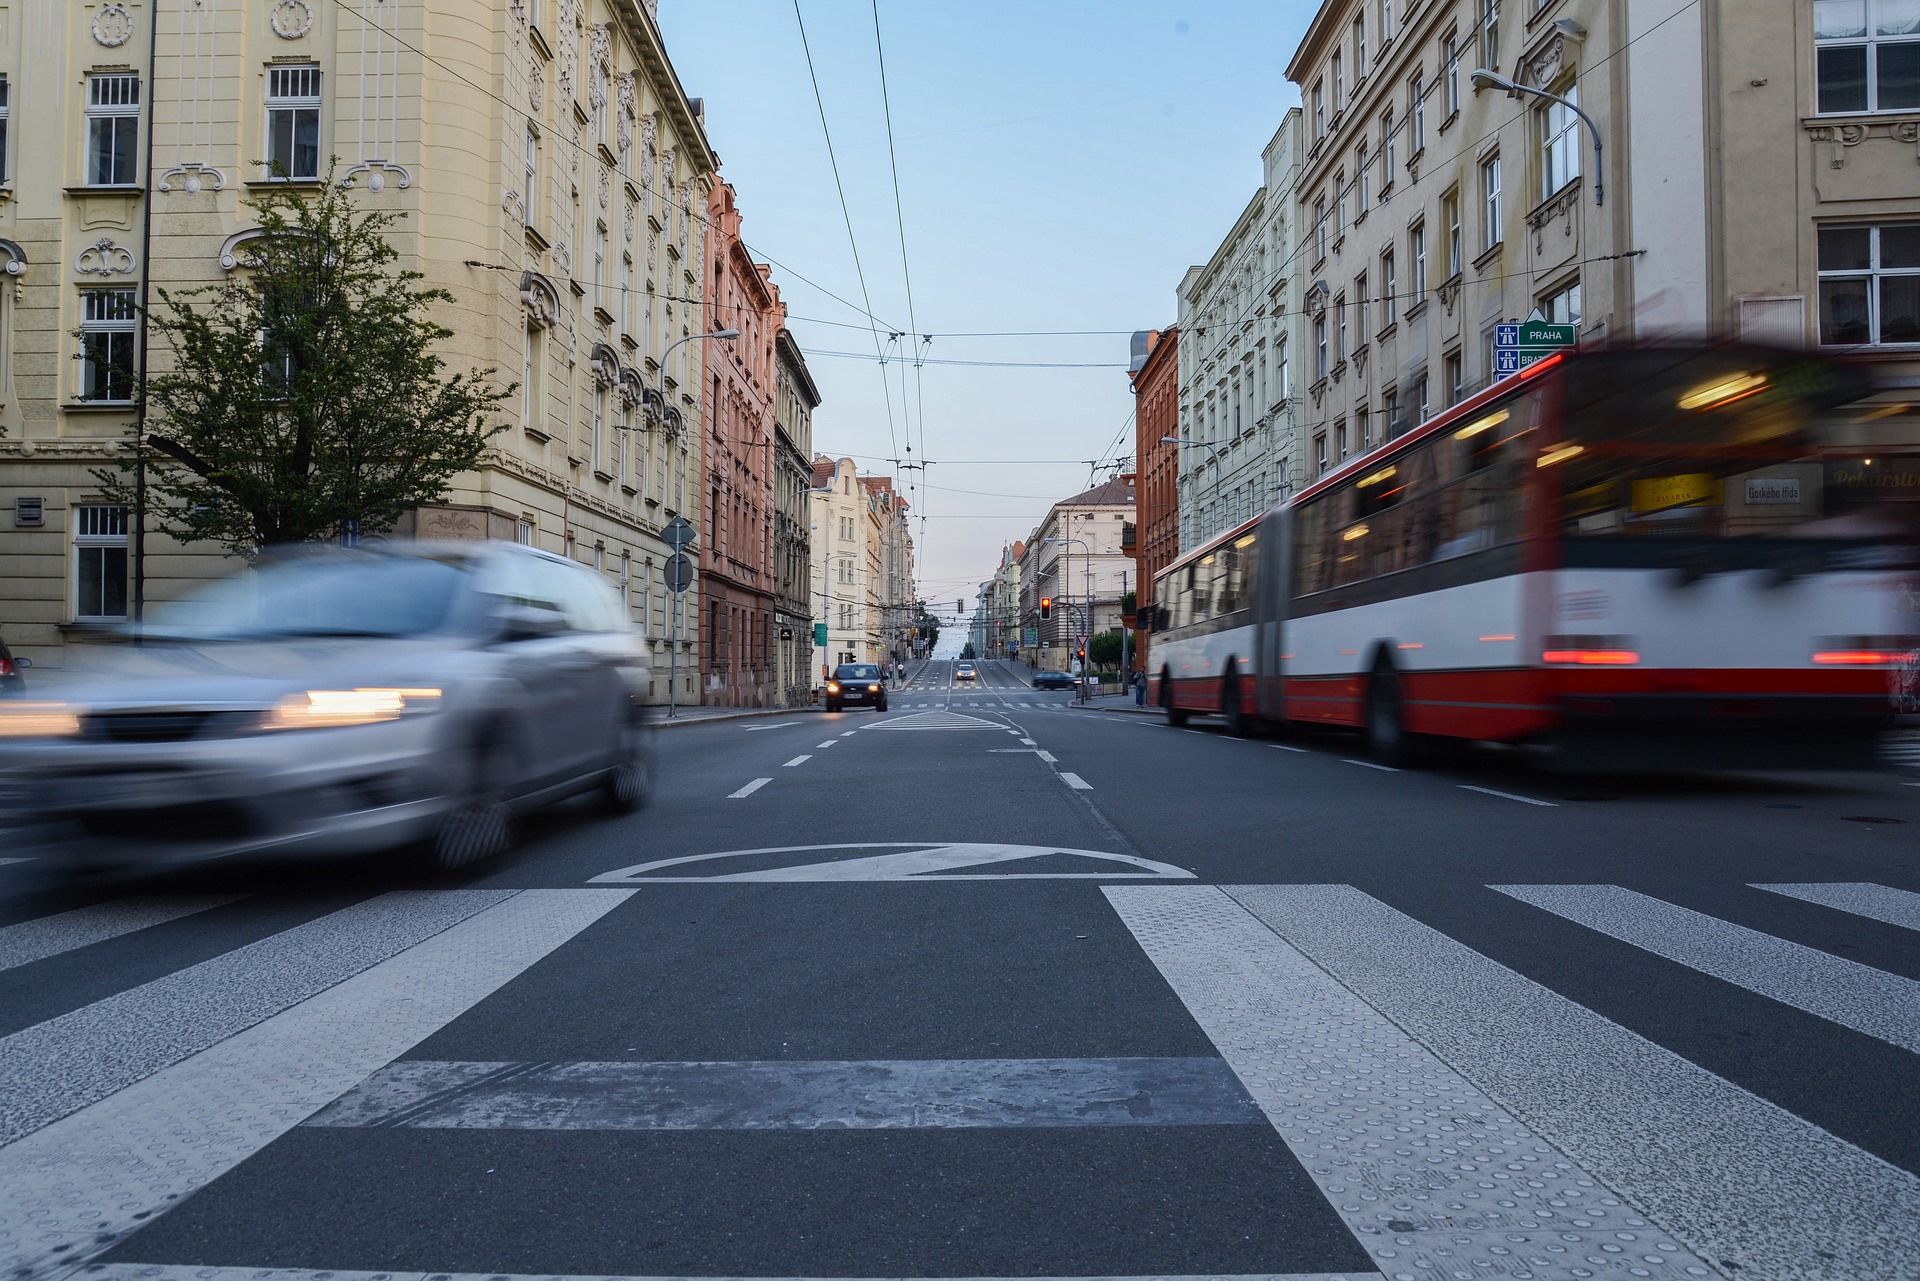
(521, 622)
(23, 662)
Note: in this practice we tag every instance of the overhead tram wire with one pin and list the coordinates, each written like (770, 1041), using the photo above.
(847, 216)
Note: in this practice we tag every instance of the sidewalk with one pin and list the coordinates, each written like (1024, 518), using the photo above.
(1115, 703)
(657, 717)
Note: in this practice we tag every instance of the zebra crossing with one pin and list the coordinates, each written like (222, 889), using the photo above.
(1460, 1116)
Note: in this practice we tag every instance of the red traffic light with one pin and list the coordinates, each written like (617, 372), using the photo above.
(1046, 607)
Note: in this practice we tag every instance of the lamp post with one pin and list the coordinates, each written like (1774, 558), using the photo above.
(1484, 79)
(1213, 457)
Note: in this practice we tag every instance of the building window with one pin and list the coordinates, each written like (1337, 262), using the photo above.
(1563, 306)
(1359, 47)
(1362, 429)
(108, 318)
(1559, 143)
(293, 123)
(1320, 228)
(1420, 399)
(113, 130)
(1386, 151)
(1450, 62)
(99, 563)
(533, 179)
(1389, 300)
(1360, 167)
(599, 425)
(1490, 199)
(1490, 34)
(1319, 347)
(1417, 112)
(1319, 112)
(1390, 406)
(1366, 306)
(1450, 220)
(600, 267)
(1456, 373)
(1417, 247)
(1870, 284)
(523, 533)
(1339, 84)
(1340, 327)
(1320, 454)
(1866, 55)
(1340, 204)
(1386, 20)
(3, 129)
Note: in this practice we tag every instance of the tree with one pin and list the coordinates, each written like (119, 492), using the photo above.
(1104, 649)
(305, 394)
(926, 626)
(966, 653)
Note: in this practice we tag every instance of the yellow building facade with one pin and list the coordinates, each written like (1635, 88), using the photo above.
(549, 171)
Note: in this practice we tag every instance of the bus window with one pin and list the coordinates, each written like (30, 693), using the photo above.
(1202, 572)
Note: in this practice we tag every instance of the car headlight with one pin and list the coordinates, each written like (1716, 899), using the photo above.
(832, 688)
(38, 720)
(336, 708)
(873, 689)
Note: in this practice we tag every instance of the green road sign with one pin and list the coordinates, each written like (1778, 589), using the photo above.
(820, 634)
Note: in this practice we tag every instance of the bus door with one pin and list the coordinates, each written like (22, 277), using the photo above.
(1270, 605)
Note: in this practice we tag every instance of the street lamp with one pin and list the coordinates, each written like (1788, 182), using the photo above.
(1484, 79)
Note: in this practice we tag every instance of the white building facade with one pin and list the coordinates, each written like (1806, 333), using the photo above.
(1240, 315)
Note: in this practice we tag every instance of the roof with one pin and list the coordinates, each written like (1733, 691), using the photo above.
(1113, 493)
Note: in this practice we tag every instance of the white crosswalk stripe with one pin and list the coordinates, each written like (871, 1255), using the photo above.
(1875, 902)
(1741, 1181)
(72, 1189)
(65, 931)
(1842, 991)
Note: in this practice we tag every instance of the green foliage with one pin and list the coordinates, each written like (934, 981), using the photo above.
(307, 390)
(967, 653)
(1104, 649)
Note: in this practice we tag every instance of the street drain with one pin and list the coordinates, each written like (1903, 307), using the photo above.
(1870, 818)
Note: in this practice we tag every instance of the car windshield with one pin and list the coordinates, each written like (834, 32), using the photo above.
(332, 595)
(858, 672)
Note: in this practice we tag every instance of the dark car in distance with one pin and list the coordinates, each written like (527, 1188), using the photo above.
(857, 684)
(1052, 680)
(13, 681)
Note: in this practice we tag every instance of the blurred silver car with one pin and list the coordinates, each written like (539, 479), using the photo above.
(336, 702)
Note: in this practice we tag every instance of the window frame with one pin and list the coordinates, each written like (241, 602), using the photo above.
(113, 538)
(1490, 201)
(1359, 47)
(113, 115)
(1872, 275)
(1559, 143)
(1490, 34)
(1417, 251)
(1386, 152)
(1362, 162)
(110, 327)
(279, 102)
(1550, 304)
(1870, 42)
(1417, 112)
(1450, 71)
(1389, 284)
(1456, 248)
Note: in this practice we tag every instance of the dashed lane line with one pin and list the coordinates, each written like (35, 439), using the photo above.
(749, 789)
(1370, 765)
(1074, 781)
(1048, 757)
(829, 743)
(798, 760)
(1283, 747)
(1510, 796)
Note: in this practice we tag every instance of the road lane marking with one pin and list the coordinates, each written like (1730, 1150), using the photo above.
(1074, 781)
(1370, 765)
(749, 789)
(53, 1069)
(83, 926)
(1283, 747)
(1195, 731)
(849, 733)
(1741, 1180)
(1861, 898)
(910, 861)
(75, 1188)
(5, 861)
(799, 760)
(1048, 757)
(888, 1094)
(1027, 741)
(829, 743)
(1524, 800)
(782, 725)
(1830, 987)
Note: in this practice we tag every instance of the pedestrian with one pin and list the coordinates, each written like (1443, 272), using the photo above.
(1139, 689)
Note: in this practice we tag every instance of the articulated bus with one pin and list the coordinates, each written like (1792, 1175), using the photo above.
(1624, 558)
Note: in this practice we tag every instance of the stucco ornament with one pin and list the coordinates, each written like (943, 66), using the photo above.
(633, 221)
(573, 153)
(623, 119)
(600, 44)
(653, 252)
(649, 145)
(518, 8)
(112, 25)
(563, 259)
(686, 214)
(667, 164)
(536, 89)
(606, 187)
(514, 205)
(291, 19)
(104, 258)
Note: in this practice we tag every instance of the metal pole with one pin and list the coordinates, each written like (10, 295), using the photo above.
(673, 658)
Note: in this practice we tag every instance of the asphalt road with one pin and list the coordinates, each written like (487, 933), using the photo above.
(993, 986)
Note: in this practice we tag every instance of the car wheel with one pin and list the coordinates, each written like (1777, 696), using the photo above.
(1176, 716)
(832, 706)
(629, 784)
(480, 824)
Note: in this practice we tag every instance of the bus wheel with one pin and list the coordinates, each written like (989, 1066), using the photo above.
(1386, 731)
(1230, 709)
(1176, 716)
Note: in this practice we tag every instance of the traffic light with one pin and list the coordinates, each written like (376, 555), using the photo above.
(1046, 608)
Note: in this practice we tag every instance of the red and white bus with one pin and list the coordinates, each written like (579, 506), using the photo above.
(1628, 557)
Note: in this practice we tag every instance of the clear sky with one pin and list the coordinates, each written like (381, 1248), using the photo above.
(1061, 164)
